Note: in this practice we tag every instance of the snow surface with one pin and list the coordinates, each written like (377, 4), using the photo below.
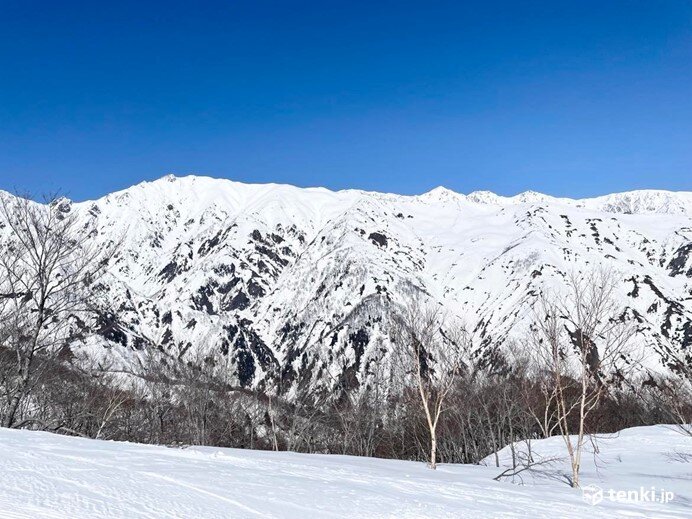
(49, 476)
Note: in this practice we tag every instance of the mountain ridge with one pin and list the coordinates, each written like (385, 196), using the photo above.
(474, 196)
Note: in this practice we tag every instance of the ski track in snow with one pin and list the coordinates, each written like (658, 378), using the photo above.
(49, 476)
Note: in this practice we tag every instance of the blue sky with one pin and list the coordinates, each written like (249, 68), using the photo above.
(572, 99)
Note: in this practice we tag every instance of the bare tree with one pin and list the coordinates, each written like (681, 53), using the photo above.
(672, 394)
(582, 344)
(432, 350)
(677, 392)
(47, 277)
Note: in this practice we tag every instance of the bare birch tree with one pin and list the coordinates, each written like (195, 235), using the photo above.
(432, 351)
(582, 343)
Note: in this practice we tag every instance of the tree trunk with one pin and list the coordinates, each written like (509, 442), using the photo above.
(12, 411)
(17, 397)
(433, 450)
(575, 474)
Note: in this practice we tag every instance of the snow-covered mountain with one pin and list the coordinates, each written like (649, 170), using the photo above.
(295, 283)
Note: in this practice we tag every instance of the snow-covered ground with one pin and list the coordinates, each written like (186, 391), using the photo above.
(44, 475)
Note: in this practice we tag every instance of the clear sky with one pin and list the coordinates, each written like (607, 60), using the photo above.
(569, 98)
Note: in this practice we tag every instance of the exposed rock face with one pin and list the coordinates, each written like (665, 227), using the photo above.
(296, 284)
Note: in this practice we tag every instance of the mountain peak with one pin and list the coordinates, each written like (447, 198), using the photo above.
(441, 194)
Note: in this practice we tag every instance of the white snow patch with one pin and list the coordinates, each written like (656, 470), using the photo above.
(49, 476)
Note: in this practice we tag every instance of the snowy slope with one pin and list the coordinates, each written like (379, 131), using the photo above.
(297, 283)
(50, 476)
